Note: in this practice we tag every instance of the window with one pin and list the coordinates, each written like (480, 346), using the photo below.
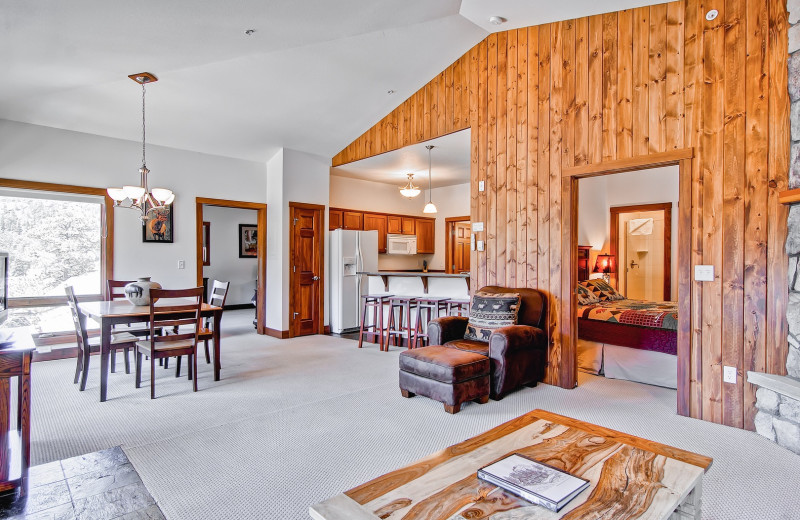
(54, 237)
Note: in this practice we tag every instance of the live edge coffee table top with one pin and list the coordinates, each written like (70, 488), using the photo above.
(630, 477)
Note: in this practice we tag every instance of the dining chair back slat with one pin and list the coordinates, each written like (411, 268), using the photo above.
(116, 288)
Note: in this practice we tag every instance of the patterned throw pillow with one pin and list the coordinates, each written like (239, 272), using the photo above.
(489, 312)
(602, 290)
(585, 296)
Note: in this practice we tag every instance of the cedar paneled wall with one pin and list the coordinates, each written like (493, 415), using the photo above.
(628, 84)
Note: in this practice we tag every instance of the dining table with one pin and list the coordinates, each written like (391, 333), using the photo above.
(119, 312)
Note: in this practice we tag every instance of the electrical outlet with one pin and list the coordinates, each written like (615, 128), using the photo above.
(181, 264)
(729, 374)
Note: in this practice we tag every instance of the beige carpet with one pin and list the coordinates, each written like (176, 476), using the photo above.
(294, 422)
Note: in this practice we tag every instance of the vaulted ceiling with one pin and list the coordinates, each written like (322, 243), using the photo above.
(313, 76)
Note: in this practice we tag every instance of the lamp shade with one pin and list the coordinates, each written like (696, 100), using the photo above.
(118, 194)
(133, 192)
(161, 194)
(429, 208)
(604, 264)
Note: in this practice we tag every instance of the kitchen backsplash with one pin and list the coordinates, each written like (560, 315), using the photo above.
(403, 262)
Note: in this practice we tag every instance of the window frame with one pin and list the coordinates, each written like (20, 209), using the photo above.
(106, 246)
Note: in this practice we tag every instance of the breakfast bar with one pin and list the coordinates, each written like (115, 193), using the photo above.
(419, 283)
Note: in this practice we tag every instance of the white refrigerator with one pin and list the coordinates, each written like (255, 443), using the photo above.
(351, 252)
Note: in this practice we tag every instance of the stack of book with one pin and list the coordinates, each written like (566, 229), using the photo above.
(533, 481)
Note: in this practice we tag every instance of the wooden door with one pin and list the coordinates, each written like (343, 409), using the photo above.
(409, 227)
(394, 224)
(461, 249)
(305, 273)
(335, 219)
(425, 231)
(376, 222)
(353, 220)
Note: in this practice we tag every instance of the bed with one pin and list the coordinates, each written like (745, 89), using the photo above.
(629, 339)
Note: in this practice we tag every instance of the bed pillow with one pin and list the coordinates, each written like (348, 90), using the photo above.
(585, 296)
(602, 290)
(489, 312)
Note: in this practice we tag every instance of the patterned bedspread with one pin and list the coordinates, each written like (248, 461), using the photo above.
(655, 315)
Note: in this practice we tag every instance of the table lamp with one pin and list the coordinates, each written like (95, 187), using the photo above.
(605, 265)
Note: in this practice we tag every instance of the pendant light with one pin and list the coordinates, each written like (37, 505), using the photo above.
(409, 190)
(429, 207)
(140, 197)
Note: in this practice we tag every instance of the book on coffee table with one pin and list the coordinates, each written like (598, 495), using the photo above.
(533, 481)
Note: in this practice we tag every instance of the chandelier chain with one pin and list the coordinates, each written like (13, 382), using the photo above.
(143, 129)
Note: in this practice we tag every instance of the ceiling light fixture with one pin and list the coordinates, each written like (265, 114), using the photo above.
(141, 197)
(497, 20)
(409, 190)
(429, 207)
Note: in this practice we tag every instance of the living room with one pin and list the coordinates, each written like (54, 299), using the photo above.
(259, 105)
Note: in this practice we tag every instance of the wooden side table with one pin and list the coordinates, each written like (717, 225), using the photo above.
(15, 420)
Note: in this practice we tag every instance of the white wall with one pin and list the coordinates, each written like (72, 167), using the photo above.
(292, 176)
(226, 265)
(596, 195)
(358, 194)
(38, 153)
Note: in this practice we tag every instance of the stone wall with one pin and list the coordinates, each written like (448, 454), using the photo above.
(778, 416)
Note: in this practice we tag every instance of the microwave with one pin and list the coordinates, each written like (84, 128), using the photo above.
(401, 244)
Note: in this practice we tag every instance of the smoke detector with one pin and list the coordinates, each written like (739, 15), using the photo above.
(497, 20)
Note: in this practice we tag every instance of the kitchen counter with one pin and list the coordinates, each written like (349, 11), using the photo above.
(443, 284)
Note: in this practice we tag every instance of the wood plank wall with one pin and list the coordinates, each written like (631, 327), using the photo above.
(615, 86)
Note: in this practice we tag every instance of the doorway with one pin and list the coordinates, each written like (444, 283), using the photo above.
(203, 243)
(457, 244)
(306, 268)
(569, 252)
(641, 238)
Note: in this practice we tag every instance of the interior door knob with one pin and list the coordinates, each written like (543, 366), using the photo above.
(315, 278)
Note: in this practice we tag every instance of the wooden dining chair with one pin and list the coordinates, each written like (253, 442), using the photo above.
(116, 291)
(219, 293)
(183, 343)
(86, 346)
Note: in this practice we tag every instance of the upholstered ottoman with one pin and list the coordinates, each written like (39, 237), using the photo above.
(447, 375)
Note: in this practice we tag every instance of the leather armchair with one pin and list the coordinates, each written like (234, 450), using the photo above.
(518, 353)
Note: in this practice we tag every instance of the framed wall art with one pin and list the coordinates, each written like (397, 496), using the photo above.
(248, 241)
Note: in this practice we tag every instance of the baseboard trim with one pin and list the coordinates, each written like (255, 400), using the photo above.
(280, 334)
(238, 306)
(327, 329)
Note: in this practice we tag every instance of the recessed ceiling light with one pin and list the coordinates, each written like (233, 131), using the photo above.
(249, 32)
(497, 20)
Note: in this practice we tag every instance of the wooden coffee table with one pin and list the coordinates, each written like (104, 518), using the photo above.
(630, 477)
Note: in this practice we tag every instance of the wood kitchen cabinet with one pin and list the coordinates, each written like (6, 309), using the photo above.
(426, 234)
(409, 225)
(394, 224)
(335, 218)
(353, 220)
(378, 223)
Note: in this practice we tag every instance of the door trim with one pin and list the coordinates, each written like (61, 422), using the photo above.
(449, 240)
(666, 207)
(320, 208)
(261, 216)
(569, 254)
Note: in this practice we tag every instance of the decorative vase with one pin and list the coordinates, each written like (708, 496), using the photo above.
(138, 292)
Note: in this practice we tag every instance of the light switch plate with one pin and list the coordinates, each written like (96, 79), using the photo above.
(481, 185)
(729, 374)
(181, 264)
(480, 245)
(477, 226)
(704, 273)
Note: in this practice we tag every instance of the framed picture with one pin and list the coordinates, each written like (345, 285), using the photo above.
(158, 225)
(248, 241)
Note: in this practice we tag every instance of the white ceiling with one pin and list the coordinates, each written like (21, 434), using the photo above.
(313, 76)
(449, 163)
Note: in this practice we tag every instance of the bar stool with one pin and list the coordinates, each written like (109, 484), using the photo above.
(397, 328)
(433, 307)
(376, 302)
(458, 307)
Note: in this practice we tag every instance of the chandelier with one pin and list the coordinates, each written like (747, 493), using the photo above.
(140, 197)
(429, 207)
(409, 190)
